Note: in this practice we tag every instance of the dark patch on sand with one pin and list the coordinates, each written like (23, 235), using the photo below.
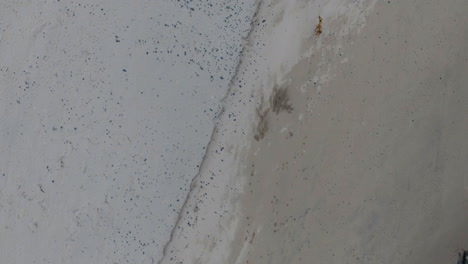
(279, 101)
(262, 125)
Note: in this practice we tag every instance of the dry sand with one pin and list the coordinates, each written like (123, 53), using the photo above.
(106, 108)
(358, 150)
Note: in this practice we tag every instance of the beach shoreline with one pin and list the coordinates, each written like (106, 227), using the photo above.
(338, 147)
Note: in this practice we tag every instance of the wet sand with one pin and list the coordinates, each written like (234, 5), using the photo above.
(370, 166)
(350, 146)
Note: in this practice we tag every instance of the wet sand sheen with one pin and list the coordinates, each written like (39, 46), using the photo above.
(375, 171)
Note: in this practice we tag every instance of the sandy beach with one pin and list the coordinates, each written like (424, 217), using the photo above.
(349, 146)
(238, 132)
(106, 109)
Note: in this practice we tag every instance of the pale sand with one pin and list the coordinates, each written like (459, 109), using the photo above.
(106, 107)
(365, 160)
